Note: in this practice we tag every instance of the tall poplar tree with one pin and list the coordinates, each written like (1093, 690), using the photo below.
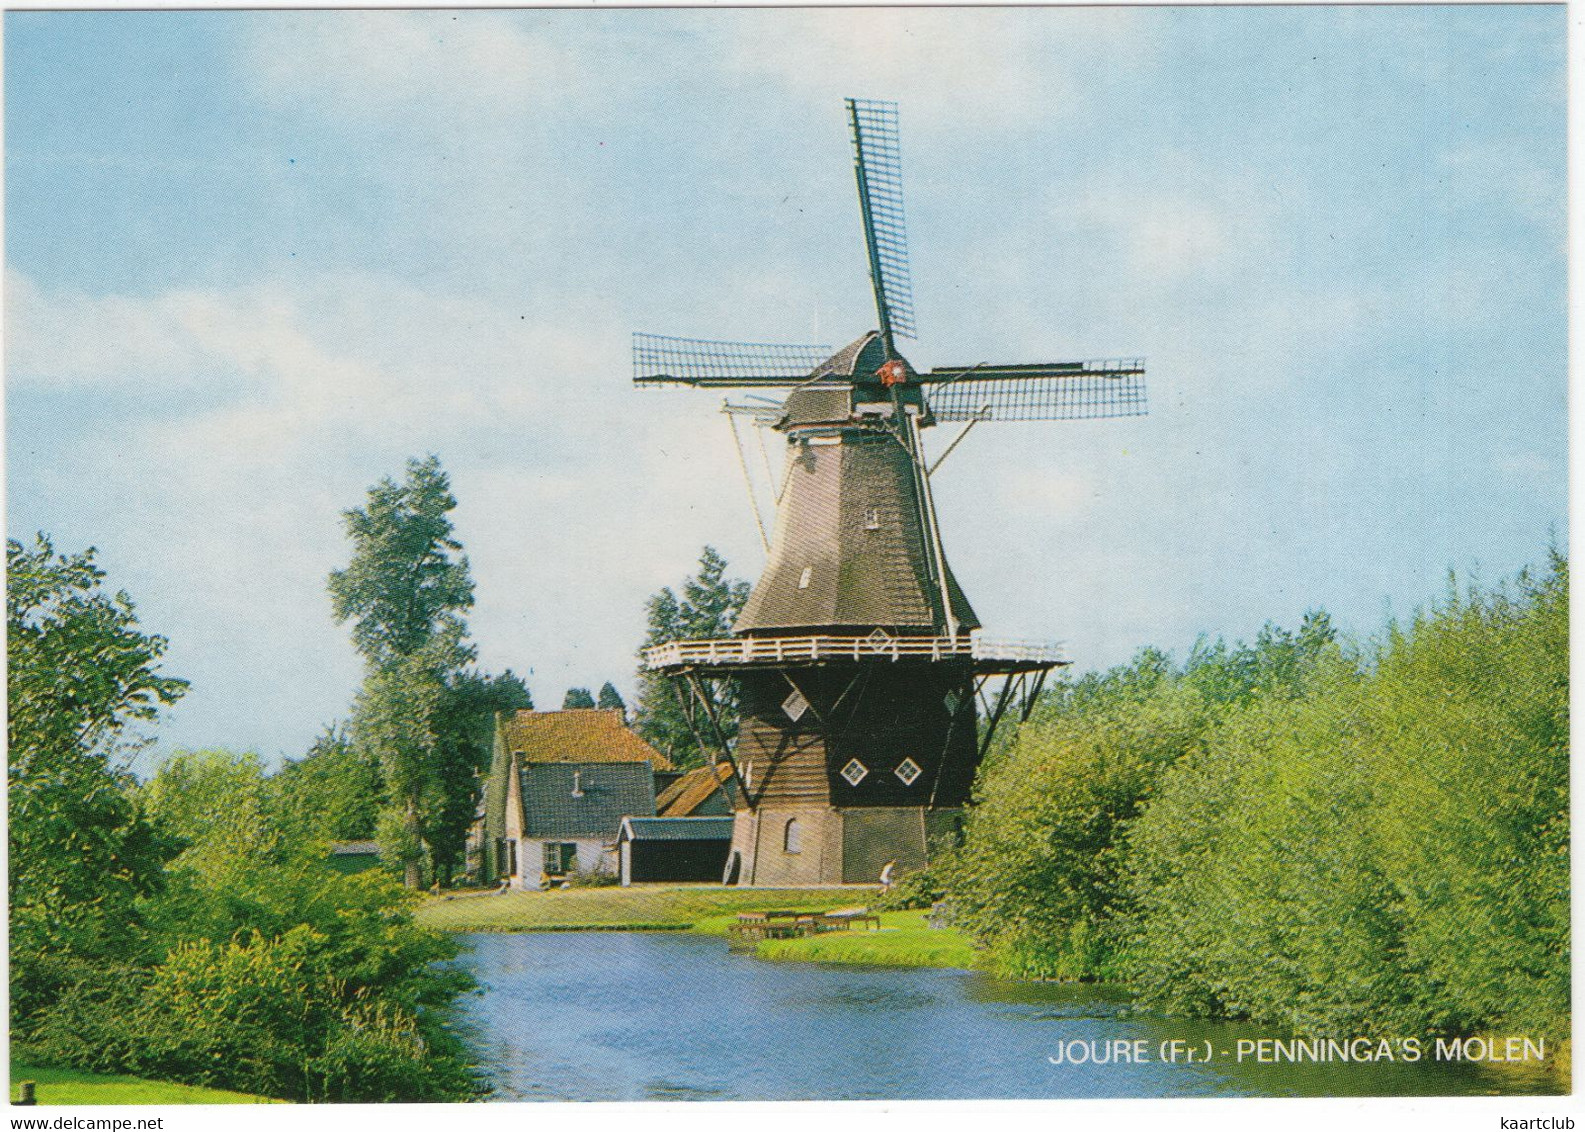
(421, 708)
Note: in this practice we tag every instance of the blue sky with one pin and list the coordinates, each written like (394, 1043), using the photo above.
(255, 260)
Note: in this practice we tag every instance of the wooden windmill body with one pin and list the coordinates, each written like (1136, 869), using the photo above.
(857, 659)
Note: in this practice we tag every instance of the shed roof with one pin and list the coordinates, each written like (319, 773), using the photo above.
(690, 791)
(353, 848)
(584, 800)
(577, 735)
(677, 829)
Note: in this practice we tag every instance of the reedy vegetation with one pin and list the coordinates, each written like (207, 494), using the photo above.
(1336, 839)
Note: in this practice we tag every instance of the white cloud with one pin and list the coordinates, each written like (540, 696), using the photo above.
(579, 497)
(389, 62)
(997, 67)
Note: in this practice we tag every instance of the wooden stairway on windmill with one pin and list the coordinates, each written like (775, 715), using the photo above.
(857, 659)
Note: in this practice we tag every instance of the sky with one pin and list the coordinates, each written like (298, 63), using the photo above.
(255, 261)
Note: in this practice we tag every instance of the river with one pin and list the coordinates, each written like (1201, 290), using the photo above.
(621, 1016)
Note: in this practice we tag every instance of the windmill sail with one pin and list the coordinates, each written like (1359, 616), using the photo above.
(704, 362)
(1058, 391)
(877, 163)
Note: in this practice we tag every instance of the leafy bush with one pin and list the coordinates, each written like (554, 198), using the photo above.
(1254, 879)
(1388, 852)
(272, 973)
(1037, 879)
(1296, 834)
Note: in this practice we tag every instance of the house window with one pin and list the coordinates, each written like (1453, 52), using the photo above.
(561, 858)
(908, 770)
(803, 579)
(872, 519)
(854, 772)
(792, 837)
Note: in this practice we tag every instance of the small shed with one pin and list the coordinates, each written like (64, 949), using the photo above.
(673, 849)
(353, 856)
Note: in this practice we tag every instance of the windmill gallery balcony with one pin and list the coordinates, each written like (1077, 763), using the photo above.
(989, 657)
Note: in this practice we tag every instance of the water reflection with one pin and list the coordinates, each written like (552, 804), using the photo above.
(663, 1016)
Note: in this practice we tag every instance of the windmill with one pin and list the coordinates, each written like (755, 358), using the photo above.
(861, 675)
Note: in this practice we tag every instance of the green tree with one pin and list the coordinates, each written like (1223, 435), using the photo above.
(466, 725)
(81, 675)
(405, 592)
(401, 716)
(218, 803)
(610, 698)
(708, 605)
(334, 793)
(422, 715)
(577, 698)
(406, 579)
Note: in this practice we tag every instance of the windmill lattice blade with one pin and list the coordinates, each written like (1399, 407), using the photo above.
(877, 160)
(659, 360)
(1063, 391)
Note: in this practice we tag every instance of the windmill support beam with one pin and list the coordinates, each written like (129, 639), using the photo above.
(1004, 698)
(708, 705)
(1032, 696)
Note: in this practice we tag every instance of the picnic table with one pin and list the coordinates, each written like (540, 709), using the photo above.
(779, 924)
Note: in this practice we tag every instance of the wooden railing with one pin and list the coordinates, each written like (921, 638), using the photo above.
(780, 650)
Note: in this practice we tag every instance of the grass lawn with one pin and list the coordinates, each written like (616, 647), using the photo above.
(903, 941)
(675, 907)
(72, 1086)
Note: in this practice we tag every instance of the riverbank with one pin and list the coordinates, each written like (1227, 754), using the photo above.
(646, 907)
(74, 1087)
(904, 939)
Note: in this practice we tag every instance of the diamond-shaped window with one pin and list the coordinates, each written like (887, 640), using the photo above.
(950, 701)
(854, 772)
(795, 705)
(908, 770)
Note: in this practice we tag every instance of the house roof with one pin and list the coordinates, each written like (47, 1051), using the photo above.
(584, 800)
(677, 829)
(686, 795)
(578, 735)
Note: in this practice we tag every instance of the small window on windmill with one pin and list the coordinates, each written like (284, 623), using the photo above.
(950, 701)
(795, 705)
(908, 770)
(803, 579)
(872, 519)
(748, 774)
(792, 837)
(855, 772)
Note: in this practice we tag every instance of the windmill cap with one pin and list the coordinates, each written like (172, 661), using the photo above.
(858, 361)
